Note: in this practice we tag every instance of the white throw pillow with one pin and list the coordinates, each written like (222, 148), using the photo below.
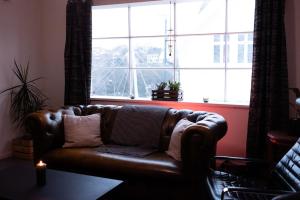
(174, 149)
(82, 131)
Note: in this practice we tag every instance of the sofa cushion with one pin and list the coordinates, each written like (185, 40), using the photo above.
(82, 131)
(174, 149)
(89, 160)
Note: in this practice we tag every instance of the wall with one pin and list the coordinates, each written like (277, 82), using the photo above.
(19, 40)
(233, 143)
(21, 35)
(292, 21)
(53, 28)
(295, 8)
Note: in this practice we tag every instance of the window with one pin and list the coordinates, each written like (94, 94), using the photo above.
(205, 44)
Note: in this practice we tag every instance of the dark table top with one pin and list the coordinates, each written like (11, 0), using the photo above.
(20, 183)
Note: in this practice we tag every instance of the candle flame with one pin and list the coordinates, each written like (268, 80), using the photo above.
(41, 163)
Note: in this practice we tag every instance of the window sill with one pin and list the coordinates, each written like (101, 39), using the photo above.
(121, 101)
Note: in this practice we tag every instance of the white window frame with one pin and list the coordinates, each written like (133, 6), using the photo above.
(221, 43)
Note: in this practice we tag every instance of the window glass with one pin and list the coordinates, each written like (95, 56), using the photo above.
(240, 15)
(150, 20)
(198, 52)
(138, 45)
(151, 52)
(110, 82)
(109, 22)
(238, 85)
(146, 80)
(206, 16)
(197, 84)
(109, 53)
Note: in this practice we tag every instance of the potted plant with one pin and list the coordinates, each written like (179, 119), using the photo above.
(174, 88)
(161, 86)
(26, 97)
(160, 89)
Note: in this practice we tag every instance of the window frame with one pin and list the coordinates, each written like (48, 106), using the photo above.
(223, 43)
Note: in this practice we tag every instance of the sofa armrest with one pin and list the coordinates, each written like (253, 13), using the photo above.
(199, 142)
(46, 129)
(197, 147)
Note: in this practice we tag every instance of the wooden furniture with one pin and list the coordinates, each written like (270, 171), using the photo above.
(167, 95)
(23, 148)
(19, 183)
(278, 143)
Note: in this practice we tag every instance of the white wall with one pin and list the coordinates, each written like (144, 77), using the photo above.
(22, 34)
(20, 40)
(53, 27)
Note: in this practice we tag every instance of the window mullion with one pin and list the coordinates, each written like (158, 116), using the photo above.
(226, 50)
(131, 90)
(174, 49)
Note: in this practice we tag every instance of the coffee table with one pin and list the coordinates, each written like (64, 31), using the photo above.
(20, 183)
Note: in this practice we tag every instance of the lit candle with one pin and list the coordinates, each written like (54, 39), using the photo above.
(41, 173)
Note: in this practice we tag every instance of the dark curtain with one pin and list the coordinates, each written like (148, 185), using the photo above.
(78, 52)
(269, 105)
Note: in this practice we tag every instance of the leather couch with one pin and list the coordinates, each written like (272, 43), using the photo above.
(198, 145)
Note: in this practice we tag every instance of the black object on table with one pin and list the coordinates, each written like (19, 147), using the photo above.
(20, 183)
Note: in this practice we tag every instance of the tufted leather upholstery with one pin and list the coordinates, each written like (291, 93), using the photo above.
(285, 177)
(198, 144)
(288, 168)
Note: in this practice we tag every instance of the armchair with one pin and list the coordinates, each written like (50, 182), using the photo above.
(256, 179)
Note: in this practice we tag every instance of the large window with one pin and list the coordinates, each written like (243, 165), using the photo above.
(204, 44)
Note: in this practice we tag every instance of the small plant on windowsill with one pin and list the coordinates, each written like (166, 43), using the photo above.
(174, 88)
(172, 93)
(161, 86)
(160, 89)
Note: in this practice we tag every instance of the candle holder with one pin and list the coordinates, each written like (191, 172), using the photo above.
(41, 173)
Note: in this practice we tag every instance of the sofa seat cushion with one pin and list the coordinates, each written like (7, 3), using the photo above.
(90, 161)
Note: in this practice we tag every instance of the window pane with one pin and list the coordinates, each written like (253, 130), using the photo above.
(200, 17)
(109, 53)
(250, 53)
(198, 52)
(110, 82)
(238, 85)
(151, 52)
(197, 84)
(146, 80)
(241, 15)
(240, 51)
(109, 22)
(216, 53)
(241, 58)
(148, 20)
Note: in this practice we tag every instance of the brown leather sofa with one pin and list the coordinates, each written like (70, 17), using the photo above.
(198, 145)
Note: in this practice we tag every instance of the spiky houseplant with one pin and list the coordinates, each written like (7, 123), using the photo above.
(174, 86)
(26, 97)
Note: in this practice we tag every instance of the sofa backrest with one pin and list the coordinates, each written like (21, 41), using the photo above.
(49, 123)
(109, 112)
